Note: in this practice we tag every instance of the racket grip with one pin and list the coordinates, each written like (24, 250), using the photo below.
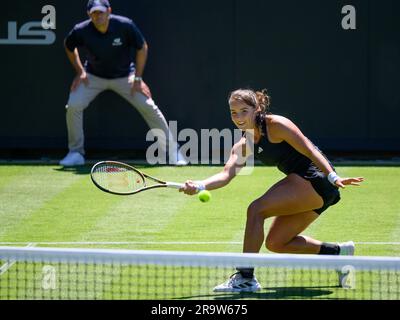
(175, 185)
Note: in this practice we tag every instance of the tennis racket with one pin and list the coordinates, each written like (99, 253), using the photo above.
(122, 179)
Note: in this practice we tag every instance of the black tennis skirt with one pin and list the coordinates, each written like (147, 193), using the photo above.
(328, 192)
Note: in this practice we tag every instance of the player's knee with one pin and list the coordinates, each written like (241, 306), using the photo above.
(254, 211)
(275, 245)
(258, 209)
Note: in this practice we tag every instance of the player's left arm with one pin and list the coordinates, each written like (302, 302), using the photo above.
(285, 130)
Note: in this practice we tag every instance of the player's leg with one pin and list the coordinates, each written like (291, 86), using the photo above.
(289, 196)
(293, 200)
(78, 101)
(284, 234)
(292, 195)
(151, 114)
(284, 237)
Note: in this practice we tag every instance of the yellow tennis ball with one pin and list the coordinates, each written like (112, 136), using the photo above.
(204, 196)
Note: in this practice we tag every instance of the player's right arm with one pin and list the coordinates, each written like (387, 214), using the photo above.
(234, 164)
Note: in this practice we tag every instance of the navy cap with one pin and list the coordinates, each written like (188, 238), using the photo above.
(98, 5)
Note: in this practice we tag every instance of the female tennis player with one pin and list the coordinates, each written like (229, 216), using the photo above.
(311, 185)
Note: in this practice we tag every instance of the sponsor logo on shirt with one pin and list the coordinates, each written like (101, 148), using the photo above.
(260, 149)
(117, 42)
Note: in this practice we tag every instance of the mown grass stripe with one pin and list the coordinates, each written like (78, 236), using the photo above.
(67, 215)
(27, 191)
(8, 173)
(82, 213)
(142, 216)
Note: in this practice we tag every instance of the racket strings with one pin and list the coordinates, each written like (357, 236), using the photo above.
(118, 178)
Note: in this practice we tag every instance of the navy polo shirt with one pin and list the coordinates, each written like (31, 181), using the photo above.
(109, 55)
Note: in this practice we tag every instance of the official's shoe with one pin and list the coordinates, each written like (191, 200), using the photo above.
(73, 159)
(236, 283)
(180, 161)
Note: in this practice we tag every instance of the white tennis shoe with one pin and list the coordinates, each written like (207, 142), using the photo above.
(73, 159)
(180, 161)
(346, 274)
(347, 248)
(236, 283)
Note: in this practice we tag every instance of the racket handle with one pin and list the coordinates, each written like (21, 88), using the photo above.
(175, 185)
(181, 185)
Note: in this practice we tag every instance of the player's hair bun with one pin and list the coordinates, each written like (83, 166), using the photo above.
(263, 100)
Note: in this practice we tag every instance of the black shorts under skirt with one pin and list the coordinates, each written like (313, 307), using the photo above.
(328, 192)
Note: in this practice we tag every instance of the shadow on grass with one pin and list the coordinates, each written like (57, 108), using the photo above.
(84, 170)
(321, 292)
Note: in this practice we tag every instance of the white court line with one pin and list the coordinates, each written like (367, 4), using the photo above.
(124, 242)
(160, 243)
(4, 268)
(379, 243)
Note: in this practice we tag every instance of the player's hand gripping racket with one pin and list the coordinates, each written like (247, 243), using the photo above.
(122, 179)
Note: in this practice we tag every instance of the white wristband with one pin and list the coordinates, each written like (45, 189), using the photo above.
(200, 186)
(332, 177)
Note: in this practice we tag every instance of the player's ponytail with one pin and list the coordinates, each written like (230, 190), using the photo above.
(263, 100)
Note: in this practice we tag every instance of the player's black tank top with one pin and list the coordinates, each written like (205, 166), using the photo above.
(283, 155)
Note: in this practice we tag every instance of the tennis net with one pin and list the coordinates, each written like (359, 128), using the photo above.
(57, 273)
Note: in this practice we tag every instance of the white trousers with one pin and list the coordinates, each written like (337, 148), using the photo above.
(80, 99)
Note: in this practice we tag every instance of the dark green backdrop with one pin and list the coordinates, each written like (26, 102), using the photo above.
(340, 86)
